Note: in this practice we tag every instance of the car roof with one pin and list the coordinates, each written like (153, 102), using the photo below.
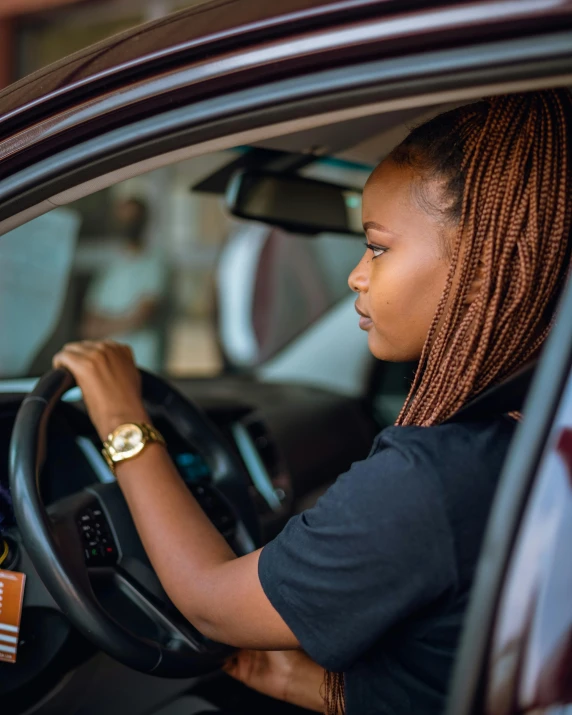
(186, 33)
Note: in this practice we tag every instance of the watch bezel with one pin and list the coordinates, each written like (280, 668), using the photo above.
(118, 456)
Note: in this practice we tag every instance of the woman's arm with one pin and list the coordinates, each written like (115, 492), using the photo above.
(218, 592)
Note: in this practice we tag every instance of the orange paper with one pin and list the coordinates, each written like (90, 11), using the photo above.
(11, 598)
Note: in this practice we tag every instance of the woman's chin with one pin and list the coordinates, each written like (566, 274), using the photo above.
(381, 349)
(377, 345)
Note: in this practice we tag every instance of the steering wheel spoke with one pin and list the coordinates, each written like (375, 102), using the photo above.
(176, 631)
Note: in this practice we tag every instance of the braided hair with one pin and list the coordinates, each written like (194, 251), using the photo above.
(506, 163)
(505, 169)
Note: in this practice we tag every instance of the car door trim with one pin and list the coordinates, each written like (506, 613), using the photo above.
(388, 28)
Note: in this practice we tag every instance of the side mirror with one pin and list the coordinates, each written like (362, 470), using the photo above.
(294, 203)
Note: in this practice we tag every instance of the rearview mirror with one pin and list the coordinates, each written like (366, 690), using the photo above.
(294, 203)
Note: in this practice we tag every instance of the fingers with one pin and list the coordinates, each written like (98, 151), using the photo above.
(240, 666)
(109, 381)
(70, 357)
(230, 665)
(73, 355)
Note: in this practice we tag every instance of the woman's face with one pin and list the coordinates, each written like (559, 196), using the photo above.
(401, 278)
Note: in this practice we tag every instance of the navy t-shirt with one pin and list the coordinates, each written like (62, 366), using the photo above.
(374, 579)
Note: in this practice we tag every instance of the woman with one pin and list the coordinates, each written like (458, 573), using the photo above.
(467, 226)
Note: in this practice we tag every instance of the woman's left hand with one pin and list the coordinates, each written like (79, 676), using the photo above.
(288, 675)
(109, 380)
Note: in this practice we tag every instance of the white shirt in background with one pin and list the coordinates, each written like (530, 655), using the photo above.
(119, 290)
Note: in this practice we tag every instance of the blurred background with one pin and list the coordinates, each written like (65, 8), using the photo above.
(35, 33)
(156, 261)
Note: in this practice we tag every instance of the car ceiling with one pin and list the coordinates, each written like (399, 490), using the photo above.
(378, 134)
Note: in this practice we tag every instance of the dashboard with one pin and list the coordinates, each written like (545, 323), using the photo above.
(292, 440)
(74, 461)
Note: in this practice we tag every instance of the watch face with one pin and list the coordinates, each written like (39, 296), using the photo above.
(127, 439)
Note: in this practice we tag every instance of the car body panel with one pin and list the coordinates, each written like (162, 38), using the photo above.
(531, 655)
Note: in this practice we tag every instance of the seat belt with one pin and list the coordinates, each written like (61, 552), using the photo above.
(506, 396)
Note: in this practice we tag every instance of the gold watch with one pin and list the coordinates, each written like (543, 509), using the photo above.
(127, 441)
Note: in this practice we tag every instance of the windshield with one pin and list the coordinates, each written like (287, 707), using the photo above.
(158, 263)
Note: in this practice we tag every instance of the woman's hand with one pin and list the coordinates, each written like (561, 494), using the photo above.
(109, 380)
(288, 675)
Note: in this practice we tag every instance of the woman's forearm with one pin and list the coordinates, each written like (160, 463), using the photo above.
(219, 593)
(178, 537)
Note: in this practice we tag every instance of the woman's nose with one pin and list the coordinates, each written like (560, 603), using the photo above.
(358, 279)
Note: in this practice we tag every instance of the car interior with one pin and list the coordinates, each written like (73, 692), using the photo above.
(266, 394)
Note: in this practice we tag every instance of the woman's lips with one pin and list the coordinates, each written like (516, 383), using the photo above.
(365, 322)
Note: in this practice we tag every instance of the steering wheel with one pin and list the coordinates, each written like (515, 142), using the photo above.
(56, 538)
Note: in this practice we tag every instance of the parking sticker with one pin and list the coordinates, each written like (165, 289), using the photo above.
(11, 598)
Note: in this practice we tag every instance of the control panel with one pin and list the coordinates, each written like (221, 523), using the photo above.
(99, 546)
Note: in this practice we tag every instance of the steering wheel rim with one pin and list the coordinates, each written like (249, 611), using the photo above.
(54, 544)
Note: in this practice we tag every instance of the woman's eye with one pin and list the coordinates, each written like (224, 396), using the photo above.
(376, 250)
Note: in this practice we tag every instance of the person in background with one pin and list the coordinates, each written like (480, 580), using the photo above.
(123, 299)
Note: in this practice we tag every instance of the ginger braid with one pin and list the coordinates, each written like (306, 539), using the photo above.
(513, 162)
(506, 168)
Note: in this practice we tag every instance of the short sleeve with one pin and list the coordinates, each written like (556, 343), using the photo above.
(374, 550)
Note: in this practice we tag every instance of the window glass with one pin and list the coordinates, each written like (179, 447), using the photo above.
(158, 263)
